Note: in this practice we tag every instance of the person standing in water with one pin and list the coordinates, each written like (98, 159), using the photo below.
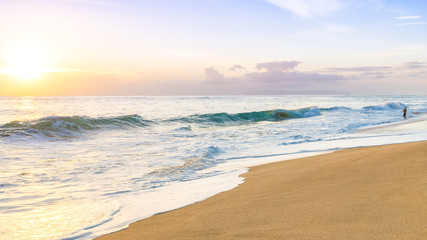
(404, 113)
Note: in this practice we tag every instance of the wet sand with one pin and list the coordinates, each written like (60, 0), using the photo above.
(362, 193)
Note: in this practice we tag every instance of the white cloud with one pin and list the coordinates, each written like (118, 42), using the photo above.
(413, 23)
(308, 8)
(409, 17)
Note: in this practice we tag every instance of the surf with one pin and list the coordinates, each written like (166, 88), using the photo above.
(65, 126)
(250, 117)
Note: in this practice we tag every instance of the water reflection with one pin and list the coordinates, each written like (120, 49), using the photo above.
(28, 108)
(53, 221)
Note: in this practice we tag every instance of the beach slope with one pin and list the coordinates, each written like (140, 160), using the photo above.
(363, 193)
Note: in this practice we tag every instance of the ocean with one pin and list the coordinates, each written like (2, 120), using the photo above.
(80, 167)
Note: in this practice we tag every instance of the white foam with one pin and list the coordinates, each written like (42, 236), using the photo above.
(387, 105)
(157, 200)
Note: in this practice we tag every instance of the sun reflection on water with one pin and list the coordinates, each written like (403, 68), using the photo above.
(51, 220)
(27, 103)
(28, 108)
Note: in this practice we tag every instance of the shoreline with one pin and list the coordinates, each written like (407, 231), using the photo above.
(414, 124)
(360, 193)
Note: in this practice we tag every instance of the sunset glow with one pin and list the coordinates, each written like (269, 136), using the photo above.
(26, 63)
(218, 47)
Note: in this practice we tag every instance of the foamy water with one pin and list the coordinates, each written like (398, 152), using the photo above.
(80, 167)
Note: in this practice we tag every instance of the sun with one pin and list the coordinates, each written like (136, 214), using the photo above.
(26, 62)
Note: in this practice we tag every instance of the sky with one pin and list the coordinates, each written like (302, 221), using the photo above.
(212, 47)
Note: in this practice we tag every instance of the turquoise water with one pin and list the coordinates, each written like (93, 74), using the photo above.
(79, 167)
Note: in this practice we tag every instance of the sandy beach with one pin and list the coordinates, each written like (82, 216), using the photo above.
(363, 193)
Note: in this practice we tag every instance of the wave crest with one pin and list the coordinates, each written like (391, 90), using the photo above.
(256, 116)
(55, 126)
(386, 106)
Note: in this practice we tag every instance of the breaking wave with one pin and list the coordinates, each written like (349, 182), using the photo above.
(69, 126)
(247, 117)
(386, 106)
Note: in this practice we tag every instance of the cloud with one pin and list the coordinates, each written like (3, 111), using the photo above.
(237, 67)
(282, 66)
(379, 69)
(294, 78)
(359, 69)
(413, 23)
(308, 8)
(379, 72)
(268, 78)
(375, 75)
(409, 17)
(412, 65)
(292, 82)
(283, 74)
(213, 76)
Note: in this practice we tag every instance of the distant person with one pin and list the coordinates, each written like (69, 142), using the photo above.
(404, 113)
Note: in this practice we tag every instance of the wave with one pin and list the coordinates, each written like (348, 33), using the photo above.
(74, 126)
(55, 126)
(337, 109)
(191, 168)
(382, 106)
(256, 116)
(386, 106)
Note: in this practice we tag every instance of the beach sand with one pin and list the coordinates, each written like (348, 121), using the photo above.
(363, 193)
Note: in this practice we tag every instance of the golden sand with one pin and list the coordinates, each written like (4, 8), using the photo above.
(364, 193)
